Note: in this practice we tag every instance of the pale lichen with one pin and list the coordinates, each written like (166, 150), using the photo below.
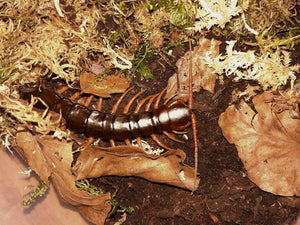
(270, 69)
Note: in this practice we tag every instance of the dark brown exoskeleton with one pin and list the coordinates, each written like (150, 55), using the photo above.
(172, 116)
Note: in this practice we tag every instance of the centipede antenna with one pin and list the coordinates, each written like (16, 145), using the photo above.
(158, 99)
(62, 90)
(115, 107)
(99, 103)
(172, 137)
(153, 136)
(190, 78)
(89, 100)
(193, 117)
(126, 109)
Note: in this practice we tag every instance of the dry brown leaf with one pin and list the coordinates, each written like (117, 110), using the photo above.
(103, 88)
(48, 156)
(95, 161)
(203, 76)
(268, 144)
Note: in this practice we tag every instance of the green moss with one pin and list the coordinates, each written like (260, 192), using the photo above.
(178, 15)
(116, 207)
(84, 185)
(37, 193)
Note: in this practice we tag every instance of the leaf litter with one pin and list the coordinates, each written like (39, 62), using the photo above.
(203, 76)
(102, 86)
(166, 168)
(51, 159)
(267, 141)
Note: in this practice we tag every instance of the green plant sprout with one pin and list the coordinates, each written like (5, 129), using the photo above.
(138, 64)
(37, 193)
(175, 44)
(116, 207)
(115, 36)
(84, 185)
(99, 77)
(266, 41)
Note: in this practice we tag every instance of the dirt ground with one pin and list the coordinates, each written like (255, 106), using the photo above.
(225, 194)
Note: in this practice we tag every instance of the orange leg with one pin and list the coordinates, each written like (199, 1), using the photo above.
(88, 142)
(172, 137)
(126, 109)
(179, 132)
(139, 142)
(62, 90)
(99, 103)
(112, 143)
(158, 98)
(75, 95)
(127, 142)
(153, 136)
(147, 108)
(115, 107)
(139, 106)
(89, 100)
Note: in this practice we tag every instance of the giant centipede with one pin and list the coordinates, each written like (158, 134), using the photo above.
(172, 116)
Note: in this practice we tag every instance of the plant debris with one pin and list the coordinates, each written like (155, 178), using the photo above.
(203, 76)
(52, 158)
(271, 70)
(102, 87)
(167, 168)
(267, 141)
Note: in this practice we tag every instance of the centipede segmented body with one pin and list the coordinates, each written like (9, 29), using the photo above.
(171, 116)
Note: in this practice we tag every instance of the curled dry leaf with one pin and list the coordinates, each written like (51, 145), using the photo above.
(104, 87)
(203, 76)
(95, 161)
(268, 143)
(49, 157)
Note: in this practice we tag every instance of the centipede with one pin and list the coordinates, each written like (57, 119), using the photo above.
(172, 116)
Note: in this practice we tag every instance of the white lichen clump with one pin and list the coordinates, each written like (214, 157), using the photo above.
(215, 12)
(269, 69)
